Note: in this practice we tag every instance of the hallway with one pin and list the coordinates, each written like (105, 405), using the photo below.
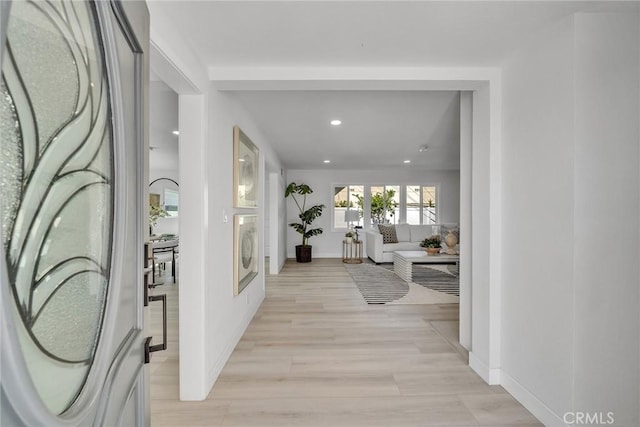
(316, 354)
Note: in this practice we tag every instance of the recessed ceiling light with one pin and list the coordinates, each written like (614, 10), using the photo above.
(336, 122)
(175, 132)
(406, 161)
(327, 161)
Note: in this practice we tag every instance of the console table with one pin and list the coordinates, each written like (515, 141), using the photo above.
(403, 262)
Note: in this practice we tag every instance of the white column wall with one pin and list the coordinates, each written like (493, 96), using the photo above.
(466, 137)
(481, 235)
(606, 183)
(193, 188)
(277, 231)
(571, 159)
(227, 316)
(538, 281)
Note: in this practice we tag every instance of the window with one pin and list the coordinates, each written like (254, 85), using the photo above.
(347, 197)
(421, 204)
(429, 213)
(385, 204)
(171, 202)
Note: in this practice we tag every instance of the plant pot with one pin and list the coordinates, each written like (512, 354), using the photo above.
(303, 253)
(348, 239)
(432, 251)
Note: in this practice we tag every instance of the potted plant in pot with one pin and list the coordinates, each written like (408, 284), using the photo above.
(307, 216)
(432, 245)
(349, 235)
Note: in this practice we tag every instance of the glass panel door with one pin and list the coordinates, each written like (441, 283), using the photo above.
(72, 104)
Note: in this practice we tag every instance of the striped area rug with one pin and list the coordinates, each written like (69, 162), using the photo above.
(442, 278)
(377, 285)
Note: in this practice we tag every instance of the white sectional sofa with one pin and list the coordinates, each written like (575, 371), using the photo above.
(409, 238)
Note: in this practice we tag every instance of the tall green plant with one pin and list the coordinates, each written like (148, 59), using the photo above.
(307, 216)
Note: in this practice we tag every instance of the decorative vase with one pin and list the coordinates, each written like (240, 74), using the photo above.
(451, 240)
(432, 251)
(348, 239)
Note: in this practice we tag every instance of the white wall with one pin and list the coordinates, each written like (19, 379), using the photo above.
(163, 120)
(569, 325)
(466, 144)
(481, 280)
(193, 245)
(606, 182)
(164, 158)
(267, 213)
(278, 219)
(329, 244)
(537, 262)
(227, 316)
(212, 319)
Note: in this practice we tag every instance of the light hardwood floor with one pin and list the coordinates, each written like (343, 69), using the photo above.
(316, 355)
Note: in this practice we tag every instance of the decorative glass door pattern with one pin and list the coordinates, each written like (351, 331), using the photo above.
(56, 187)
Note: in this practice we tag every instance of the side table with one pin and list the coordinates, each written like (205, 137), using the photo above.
(352, 252)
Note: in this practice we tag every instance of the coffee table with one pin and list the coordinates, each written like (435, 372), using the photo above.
(403, 262)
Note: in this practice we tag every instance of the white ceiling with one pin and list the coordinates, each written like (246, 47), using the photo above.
(360, 33)
(380, 128)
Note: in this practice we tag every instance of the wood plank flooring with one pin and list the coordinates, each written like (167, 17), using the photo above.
(316, 355)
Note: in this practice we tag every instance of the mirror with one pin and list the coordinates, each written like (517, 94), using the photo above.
(164, 197)
(164, 193)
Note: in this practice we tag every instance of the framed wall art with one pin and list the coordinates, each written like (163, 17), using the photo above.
(245, 251)
(245, 171)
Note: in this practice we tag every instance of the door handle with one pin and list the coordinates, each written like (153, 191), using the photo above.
(148, 348)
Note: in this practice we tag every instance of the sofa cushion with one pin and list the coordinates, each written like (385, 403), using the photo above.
(403, 233)
(420, 232)
(402, 246)
(388, 233)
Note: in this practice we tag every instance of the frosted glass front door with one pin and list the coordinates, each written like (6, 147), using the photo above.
(57, 162)
(72, 99)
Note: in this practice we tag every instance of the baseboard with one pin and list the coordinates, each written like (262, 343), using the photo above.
(497, 376)
(319, 255)
(223, 357)
(490, 376)
(539, 410)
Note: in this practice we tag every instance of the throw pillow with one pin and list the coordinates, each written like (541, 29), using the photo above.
(388, 233)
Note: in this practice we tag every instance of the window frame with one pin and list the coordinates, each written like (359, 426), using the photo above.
(401, 190)
(402, 206)
(421, 192)
(335, 228)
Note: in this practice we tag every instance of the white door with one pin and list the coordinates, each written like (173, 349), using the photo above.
(71, 135)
